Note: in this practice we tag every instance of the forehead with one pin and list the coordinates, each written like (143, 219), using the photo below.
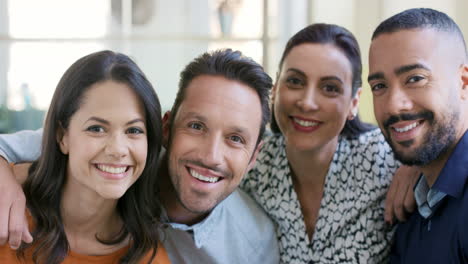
(405, 47)
(318, 59)
(222, 102)
(111, 99)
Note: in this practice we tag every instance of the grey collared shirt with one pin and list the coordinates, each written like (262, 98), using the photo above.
(236, 231)
(426, 197)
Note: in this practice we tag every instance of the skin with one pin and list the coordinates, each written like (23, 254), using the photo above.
(107, 130)
(414, 71)
(214, 134)
(319, 93)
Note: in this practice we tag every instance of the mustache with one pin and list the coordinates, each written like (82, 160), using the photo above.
(216, 169)
(428, 115)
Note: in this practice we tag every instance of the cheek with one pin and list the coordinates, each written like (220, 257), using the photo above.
(239, 162)
(285, 98)
(339, 109)
(83, 149)
(140, 150)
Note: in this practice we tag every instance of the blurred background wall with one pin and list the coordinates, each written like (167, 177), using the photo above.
(40, 39)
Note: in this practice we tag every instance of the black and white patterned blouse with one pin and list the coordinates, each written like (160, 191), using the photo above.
(350, 227)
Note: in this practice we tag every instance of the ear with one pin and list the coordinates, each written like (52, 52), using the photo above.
(166, 128)
(63, 139)
(354, 107)
(464, 80)
(253, 159)
(273, 93)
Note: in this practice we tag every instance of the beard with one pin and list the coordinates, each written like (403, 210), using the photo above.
(436, 142)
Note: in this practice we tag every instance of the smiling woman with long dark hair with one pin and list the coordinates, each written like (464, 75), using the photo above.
(91, 194)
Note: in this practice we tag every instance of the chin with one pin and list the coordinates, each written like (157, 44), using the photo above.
(198, 207)
(112, 194)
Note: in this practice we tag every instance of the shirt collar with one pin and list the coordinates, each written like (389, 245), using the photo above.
(201, 231)
(426, 198)
(454, 175)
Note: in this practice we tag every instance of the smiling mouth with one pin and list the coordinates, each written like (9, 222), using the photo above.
(111, 169)
(408, 127)
(202, 178)
(305, 123)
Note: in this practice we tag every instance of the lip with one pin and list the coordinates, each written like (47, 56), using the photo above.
(410, 134)
(302, 128)
(200, 185)
(113, 176)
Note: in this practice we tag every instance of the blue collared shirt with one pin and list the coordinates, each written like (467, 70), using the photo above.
(438, 232)
(236, 231)
(426, 198)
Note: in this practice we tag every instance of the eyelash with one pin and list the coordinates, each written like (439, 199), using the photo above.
(417, 77)
(192, 124)
(377, 87)
(138, 130)
(100, 129)
(241, 140)
(335, 89)
(94, 127)
(294, 81)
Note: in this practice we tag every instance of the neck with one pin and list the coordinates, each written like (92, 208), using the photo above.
(318, 161)
(86, 214)
(176, 211)
(432, 170)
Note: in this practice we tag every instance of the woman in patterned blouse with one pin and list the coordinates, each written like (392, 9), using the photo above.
(323, 175)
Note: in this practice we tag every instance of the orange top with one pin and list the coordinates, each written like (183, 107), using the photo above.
(8, 255)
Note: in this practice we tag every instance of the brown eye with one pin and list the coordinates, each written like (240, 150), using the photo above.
(377, 87)
(294, 82)
(95, 129)
(135, 130)
(331, 88)
(415, 79)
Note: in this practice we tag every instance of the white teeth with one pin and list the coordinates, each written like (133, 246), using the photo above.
(305, 123)
(203, 178)
(406, 128)
(109, 169)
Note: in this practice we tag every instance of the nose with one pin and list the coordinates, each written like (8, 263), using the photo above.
(117, 146)
(307, 101)
(212, 150)
(397, 101)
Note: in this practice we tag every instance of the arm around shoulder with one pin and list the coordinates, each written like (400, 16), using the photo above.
(13, 224)
(22, 146)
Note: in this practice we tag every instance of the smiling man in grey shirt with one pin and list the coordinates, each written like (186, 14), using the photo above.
(212, 135)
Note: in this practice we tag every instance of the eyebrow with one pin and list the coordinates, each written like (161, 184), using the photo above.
(189, 115)
(103, 121)
(398, 71)
(376, 76)
(296, 71)
(407, 68)
(331, 78)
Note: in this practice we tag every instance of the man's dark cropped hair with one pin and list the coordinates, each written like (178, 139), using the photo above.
(231, 65)
(419, 18)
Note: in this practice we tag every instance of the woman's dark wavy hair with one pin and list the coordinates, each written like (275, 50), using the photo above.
(138, 207)
(343, 40)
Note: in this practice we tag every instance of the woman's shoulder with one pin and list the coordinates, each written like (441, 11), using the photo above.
(270, 168)
(370, 142)
(273, 148)
(161, 257)
(369, 152)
